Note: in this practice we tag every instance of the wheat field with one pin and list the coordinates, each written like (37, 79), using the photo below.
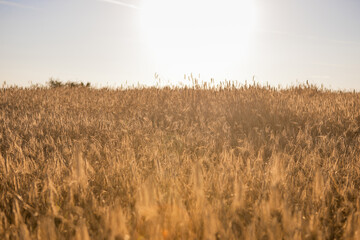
(225, 162)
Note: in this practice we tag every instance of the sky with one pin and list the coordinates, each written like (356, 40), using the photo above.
(125, 42)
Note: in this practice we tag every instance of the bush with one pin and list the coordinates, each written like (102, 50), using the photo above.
(52, 83)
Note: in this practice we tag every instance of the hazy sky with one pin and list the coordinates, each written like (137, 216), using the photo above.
(111, 42)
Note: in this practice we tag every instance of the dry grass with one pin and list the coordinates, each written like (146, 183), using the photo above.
(192, 163)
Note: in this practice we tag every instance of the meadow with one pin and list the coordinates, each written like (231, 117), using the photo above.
(200, 162)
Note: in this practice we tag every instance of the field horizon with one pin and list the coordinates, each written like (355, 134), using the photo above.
(229, 161)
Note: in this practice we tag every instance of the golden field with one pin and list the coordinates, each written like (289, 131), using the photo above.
(226, 162)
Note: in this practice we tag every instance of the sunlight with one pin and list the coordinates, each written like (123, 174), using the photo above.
(198, 36)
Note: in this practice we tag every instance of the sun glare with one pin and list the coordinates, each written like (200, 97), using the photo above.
(198, 35)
